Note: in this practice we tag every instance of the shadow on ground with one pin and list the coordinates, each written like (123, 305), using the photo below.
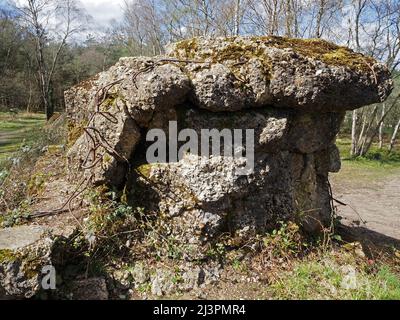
(370, 240)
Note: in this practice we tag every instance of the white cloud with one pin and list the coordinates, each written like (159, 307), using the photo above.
(103, 11)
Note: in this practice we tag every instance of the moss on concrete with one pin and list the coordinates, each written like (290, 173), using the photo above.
(7, 256)
(324, 51)
(240, 50)
(75, 131)
(110, 101)
(234, 54)
(145, 170)
(37, 183)
(190, 47)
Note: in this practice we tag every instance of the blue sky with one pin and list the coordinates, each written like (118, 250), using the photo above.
(2, 3)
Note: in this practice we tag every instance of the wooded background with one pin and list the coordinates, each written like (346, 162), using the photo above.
(46, 46)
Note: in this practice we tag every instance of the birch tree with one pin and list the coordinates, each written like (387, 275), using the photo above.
(45, 20)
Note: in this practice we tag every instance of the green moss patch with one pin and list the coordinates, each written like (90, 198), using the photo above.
(189, 46)
(7, 256)
(324, 51)
(235, 54)
(239, 49)
(74, 132)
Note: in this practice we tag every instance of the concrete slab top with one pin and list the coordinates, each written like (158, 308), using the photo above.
(20, 237)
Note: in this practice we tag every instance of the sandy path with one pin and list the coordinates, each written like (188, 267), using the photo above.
(376, 202)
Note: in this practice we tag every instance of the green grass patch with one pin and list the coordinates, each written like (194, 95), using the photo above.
(376, 165)
(374, 158)
(327, 279)
(19, 130)
(19, 152)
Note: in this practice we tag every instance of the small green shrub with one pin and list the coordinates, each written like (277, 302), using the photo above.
(15, 216)
(286, 241)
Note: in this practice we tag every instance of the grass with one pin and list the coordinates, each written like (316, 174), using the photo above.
(376, 165)
(23, 139)
(17, 131)
(374, 158)
(338, 271)
(328, 279)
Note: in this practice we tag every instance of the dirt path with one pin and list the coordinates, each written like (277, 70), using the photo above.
(375, 201)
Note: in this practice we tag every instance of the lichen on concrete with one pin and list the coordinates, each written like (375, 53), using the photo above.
(24, 251)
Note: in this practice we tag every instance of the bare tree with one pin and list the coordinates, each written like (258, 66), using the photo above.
(238, 16)
(381, 127)
(394, 137)
(375, 32)
(133, 28)
(370, 129)
(265, 16)
(359, 6)
(46, 19)
(294, 10)
(321, 11)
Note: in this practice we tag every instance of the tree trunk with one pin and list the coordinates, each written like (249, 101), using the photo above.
(237, 17)
(43, 75)
(49, 105)
(46, 98)
(381, 128)
(289, 19)
(371, 134)
(393, 140)
(274, 24)
(28, 107)
(320, 15)
(354, 134)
